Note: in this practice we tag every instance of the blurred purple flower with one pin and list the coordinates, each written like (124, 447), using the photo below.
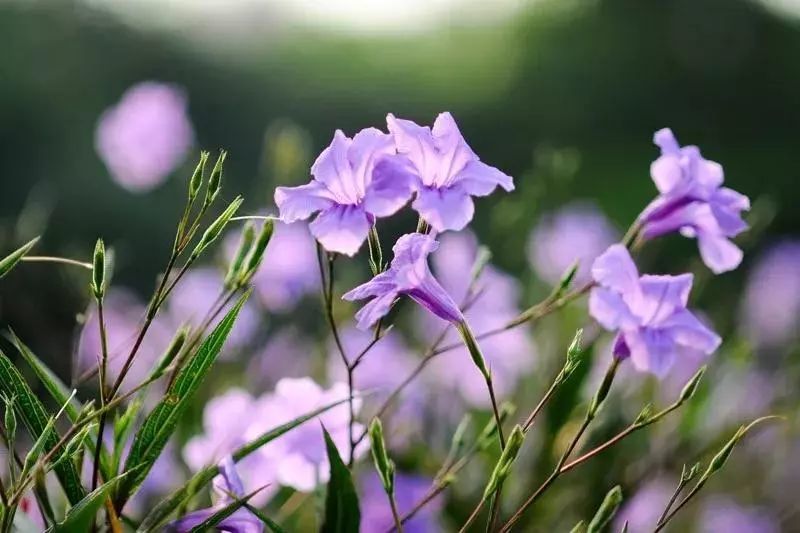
(286, 354)
(145, 136)
(408, 275)
(643, 510)
(227, 484)
(355, 181)
(692, 200)
(197, 293)
(226, 421)
(448, 172)
(723, 515)
(578, 231)
(509, 355)
(376, 515)
(299, 458)
(771, 309)
(123, 312)
(649, 312)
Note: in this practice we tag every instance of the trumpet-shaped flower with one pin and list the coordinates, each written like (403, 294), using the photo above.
(408, 275)
(448, 173)
(649, 312)
(355, 181)
(227, 485)
(693, 201)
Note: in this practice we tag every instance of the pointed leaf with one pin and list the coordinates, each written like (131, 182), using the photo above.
(81, 516)
(35, 417)
(162, 421)
(11, 260)
(223, 513)
(341, 502)
(270, 523)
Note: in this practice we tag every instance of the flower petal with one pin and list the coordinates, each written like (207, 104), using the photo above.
(448, 208)
(453, 151)
(432, 296)
(665, 139)
(610, 310)
(480, 179)
(416, 142)
(374, 310)
(380, 284)
(341, 229)
(369, 146)
(332, 169)
(299, 203)
(661, 296)
(615, 269)
(718, 253)
(666, 173)
(652, 350)
(392, 185)
(228, 481)
(686, 329)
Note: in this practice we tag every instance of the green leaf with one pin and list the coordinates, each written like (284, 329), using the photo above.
(159, 514)
(81, 516)
(35, 418)
(162, 421)
(223, 513)
(11, 260)
(270, 523)
(341, 502)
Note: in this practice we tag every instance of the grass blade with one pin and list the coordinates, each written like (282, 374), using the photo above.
(81, 516)
(342, 514)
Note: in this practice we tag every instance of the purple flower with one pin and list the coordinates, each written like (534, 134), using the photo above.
(692, 200)
(772, 296)
(226, 421)
(376, 515)
(299, 458)
(649, 312)
(448, 173)
(408, 275)
(722, 515)
(227, 485)
(643, 510)
(288, 353)
(145, 136)
(578, 231)
(355, 181)
(509, 355)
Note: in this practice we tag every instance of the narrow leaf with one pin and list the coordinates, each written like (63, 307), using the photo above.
(223, 513)
(35, 417)
(81, 516)
(162, 421)
(11, 260)
(342, 514)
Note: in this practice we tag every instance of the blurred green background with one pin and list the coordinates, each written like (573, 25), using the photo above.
(564, 95)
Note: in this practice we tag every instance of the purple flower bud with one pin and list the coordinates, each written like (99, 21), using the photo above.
(692, 200)
(649, 312)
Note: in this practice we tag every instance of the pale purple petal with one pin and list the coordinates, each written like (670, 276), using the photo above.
(454, 152)
(432, 296)
(615, 269)
(391, 187)
(374, 310)
(609, 309)
(718, 253)
(688, 330)
(341, 229)
(448, 208)
(667, 173)
(479, 179)
(652, 350)
(660, 296)
(665, 139)
(228, 480)
(332, 169)
(299, 203)
(416, 143)
(380, 284)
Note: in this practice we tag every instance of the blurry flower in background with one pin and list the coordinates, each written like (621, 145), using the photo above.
(723, 515)
(771, 305)
(197, 293)
(382, 369)
(740, 393)
(376, 516)
(289, 270)
(644, 508)
(226, 419)
(287, 354)
(509, 355)
(447, 173)
(123, 312)
(299, 459)
(145, 136)
(578, 231)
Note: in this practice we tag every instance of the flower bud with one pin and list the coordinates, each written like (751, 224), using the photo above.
(644, 415)
(459, 435)
(487, 435)
(473, 348)
(196, 180)
(172, 351)
(213, 231)
(245, 243)
(721, 457)
(257, 251)
(606, 511)
(10, 418)
(691, 386)
(215, 181)
(383, 464)
(602, 392)
(11, 260)
(99, 270)
(566, 280)
(503, 467)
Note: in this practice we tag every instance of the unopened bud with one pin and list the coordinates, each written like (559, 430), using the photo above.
(602, 391)
(213, 231)
(11, 260)
(606, 511)
(99, 270)
(215, 181)
(257, 251)
(172, 351)
(196, 180)
(10, 418)
(691, 386)
(473, 348)
(245, 243)
(644, 415)
(566, 280)
(721, 457)
(383, 464)
(503, 467)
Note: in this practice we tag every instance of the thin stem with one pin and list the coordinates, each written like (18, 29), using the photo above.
(473, 516)
(52, 259)
(681, 485)
(395, 515)
(256, 217)
(102, 374)
(546, 398)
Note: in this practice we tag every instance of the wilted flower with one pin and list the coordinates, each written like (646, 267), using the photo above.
(448, 173)
(226, 419)
(649, 312)
(771, 308)
(145, 136)
(376, 516)
(509, 355)
(408, 275)
(692, 200)
(355, 181)
(227, 485)
(576, 232)
(722, 515)
(299, 458)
